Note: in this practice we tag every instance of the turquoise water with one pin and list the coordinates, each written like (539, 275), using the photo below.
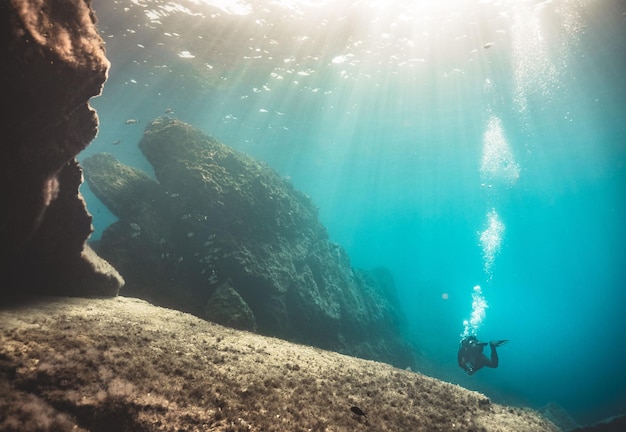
(460, 144)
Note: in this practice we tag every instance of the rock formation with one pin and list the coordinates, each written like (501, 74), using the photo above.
(52, 63)
(611, 424)
(557, 415)
(124, 365)
(218, 226)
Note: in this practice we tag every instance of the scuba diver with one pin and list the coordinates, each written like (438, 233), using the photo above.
(471, 357)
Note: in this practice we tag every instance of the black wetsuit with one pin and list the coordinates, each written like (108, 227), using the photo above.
(471, 357)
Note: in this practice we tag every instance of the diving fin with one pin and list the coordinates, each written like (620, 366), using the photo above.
(497, 343)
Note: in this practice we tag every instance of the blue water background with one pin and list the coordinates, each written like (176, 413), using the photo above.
(387, 136)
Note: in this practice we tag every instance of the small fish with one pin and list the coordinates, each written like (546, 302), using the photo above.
(358, 411)
(488, 45)
(169, 110)
(116, 142)
(132, 121)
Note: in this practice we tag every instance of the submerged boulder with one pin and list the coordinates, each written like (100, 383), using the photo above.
(53, 63)
(215, 216)
(226, 307)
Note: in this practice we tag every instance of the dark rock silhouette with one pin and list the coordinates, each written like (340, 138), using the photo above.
(226, 307)
(559, 416)
(53, 62)
(612, 424)
(217, 216)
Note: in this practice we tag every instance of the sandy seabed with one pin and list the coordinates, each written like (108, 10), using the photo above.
(122, 364)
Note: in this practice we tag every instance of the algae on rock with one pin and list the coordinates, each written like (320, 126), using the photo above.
(214, 215)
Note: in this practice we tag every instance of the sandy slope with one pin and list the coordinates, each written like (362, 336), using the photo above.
(123, 364)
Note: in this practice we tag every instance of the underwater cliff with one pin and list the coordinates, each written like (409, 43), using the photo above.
(53, 62)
